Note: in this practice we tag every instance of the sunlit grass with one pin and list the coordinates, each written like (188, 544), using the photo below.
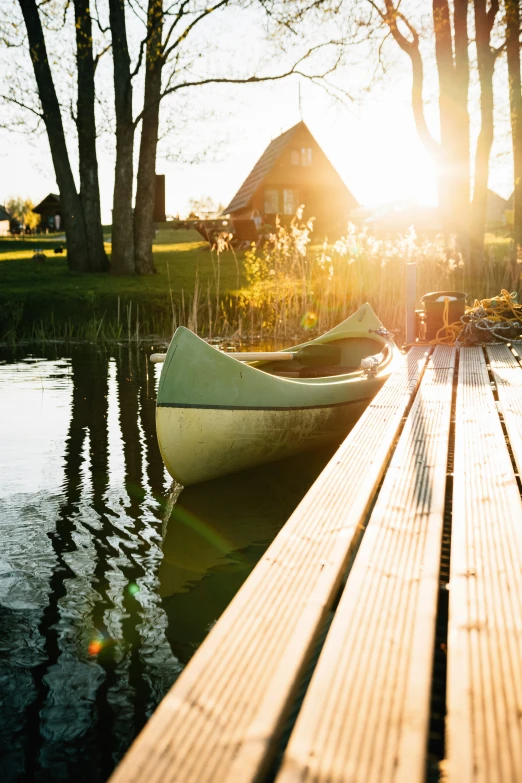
(290, 278)
(265, 294)
(17, 255)
(34, 294)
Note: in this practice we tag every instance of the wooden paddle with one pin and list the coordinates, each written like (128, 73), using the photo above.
(308, 355)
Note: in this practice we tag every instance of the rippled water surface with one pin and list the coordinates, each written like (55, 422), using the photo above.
(108, 581)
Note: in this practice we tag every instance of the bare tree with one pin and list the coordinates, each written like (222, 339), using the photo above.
(451, 154)
(167, 56)
(86, 126)
(75, 228)
(486, 59)
(451, 151)
(155, 58)
(515, 102)
(81, 207)
(122, 259)
(379, 20)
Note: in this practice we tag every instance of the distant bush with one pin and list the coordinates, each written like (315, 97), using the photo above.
(22, 210)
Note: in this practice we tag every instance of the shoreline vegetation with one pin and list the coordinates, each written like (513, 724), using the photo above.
(287, 287)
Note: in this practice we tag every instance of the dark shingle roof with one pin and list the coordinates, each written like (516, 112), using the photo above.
(51, 198)
(4, 214)
(260, 170)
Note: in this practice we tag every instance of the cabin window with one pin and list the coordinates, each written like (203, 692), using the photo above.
(306, 156)
(295, 158)
(289, 202)
(271, 201)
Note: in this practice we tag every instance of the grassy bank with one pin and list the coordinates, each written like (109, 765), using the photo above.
(288, 288)
(40, 299)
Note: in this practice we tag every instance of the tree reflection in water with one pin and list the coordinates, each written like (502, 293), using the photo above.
(108, 589)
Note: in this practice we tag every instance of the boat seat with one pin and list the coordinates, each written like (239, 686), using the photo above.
(325, 372)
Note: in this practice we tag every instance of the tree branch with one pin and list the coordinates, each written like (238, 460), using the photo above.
(98, 57)
(293, 71)
(96, 18)
(143, 44)
(168, 51)
(24, 106)
(179, 15)
(390, 16)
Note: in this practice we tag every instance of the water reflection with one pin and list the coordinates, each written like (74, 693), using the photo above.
(107, 586)
(216, 534)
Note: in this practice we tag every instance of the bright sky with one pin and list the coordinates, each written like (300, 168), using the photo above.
(373, 145)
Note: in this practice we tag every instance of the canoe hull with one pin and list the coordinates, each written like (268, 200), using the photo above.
(198, 444)
(216, 415)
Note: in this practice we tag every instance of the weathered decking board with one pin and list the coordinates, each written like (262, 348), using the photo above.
(507, 374)
(221, 720)
(365, 714)
(484, 691)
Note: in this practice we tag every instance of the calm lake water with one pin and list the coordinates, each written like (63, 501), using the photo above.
(109, 581)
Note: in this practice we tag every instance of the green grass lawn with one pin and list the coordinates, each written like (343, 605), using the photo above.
(34, 293)
(45, 300)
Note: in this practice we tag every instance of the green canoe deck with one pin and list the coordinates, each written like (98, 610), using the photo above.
(380, 637)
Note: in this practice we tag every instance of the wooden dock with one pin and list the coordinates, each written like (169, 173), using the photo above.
(347, 607)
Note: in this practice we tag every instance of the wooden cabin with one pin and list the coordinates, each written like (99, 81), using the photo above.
(294, 170)
(495, 209)
(5, 222)
(51, 213)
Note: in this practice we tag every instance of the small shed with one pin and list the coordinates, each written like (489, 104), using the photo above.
(496, 209)
(5, 222)
(51, 213)
(396, 218)
(509, 212)
(294, 170)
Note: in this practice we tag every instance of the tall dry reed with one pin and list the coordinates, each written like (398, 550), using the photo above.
(293, 285)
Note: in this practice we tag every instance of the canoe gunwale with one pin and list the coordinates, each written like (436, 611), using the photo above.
(262, 407)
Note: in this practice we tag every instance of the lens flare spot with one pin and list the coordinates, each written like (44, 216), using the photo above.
(133, 588)
(95, 647)
(309, 320)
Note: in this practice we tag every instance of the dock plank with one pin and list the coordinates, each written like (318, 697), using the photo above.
(507, 374)
(484, 687)
(365, 715)
(222, 718)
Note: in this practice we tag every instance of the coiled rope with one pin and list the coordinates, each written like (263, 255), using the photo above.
(486, 321)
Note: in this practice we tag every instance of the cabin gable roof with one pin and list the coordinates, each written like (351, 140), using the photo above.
(261, 169)
(52, 200)
(267, 162)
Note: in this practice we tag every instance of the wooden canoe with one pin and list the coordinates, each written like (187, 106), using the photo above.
(215, 415)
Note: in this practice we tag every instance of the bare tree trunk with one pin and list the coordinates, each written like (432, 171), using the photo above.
(462, 123)
(77, 248)
(486, 57)
(515, 101)
(428, 141)
(444, 58)
(146, 185)
(86, 125)
(451, 155)
(453, 75)
(122, 260)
